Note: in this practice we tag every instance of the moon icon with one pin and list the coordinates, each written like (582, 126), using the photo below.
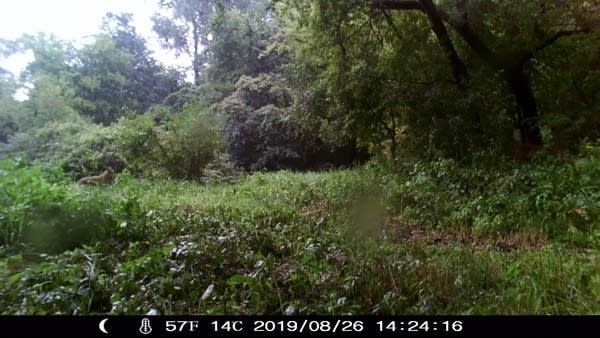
(101, 325)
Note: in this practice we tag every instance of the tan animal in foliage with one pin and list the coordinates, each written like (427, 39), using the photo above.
(102, 178)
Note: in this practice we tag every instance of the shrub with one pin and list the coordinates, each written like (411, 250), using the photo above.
(79, 148)
(556, 197)
(38, 214)
(264, 133)
(181, 147)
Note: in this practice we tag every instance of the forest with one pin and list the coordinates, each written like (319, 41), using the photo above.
(315, 157)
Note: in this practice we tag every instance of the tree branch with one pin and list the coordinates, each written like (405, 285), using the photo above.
(459, 69)
(549, 41)
(390, 22)
(559, 35)
(436, 18)
(462, 28)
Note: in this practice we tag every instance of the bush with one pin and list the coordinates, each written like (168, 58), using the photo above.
(181, 147)
(556, 197)
(264, 133)
(38, 214)
(158, 144)
(78, 148)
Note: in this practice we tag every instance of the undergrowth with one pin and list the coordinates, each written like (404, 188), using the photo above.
(412, 237)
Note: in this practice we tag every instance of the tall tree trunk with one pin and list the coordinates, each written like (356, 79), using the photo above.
(527, 116)
(196, 57)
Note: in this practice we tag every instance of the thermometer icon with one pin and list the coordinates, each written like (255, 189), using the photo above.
(145, 328)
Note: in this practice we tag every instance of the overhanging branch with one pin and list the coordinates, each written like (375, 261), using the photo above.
(549, 41)
(559, 35)
(437, 22)
(462, 28)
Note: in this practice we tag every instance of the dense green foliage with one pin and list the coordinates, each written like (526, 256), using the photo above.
(181, 147)
(447, 238)
(78, 148)
(41, 215)
(264, 133)
(116, 74)
(489, 68)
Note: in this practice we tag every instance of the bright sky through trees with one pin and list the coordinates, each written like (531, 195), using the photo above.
(75, 20)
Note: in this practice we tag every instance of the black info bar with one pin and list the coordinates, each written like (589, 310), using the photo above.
(309, 326)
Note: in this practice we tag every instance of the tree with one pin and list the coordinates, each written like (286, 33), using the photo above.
(51, 56)
(511, 61)
(240, 42)
(264, 132)
(150, 81)
(494, 44)
(185, 30)
(47, 79)
(102, 76)
(7, 47)
(8, 106)
(116, 73)
(50, 100)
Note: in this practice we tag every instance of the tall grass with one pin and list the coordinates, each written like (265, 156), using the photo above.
(412, 237)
